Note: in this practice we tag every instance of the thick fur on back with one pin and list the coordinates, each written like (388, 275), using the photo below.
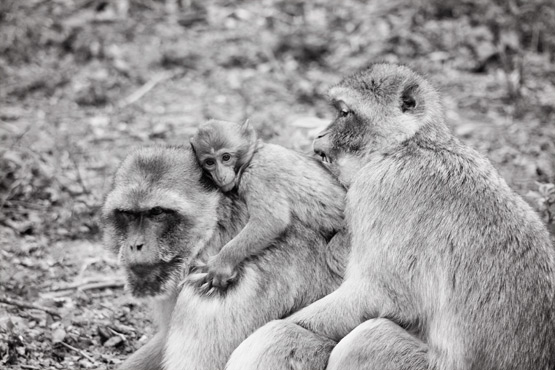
(449, 269)
(485, 283)
(201, 331)
(297, 270)
(467, 264)
(298, 179)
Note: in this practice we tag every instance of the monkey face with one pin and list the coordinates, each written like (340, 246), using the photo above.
(221, 167)
(222, 149)
(375, 110)
(153, 225)
(149, 247)
(340, 145)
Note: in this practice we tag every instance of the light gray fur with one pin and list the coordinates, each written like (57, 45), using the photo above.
(450, 269)
(196, 331)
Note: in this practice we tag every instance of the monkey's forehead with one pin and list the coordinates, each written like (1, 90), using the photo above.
(138, 197)
(383, 81)
(345, 94)
(215, 126)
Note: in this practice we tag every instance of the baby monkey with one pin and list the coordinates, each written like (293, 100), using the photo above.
(224, 150)
(273, 183)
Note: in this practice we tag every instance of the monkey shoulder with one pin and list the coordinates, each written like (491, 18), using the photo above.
(278, 165)
(442, 184)
(278, 173)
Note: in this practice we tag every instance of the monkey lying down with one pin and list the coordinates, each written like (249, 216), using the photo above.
(162, 212)
(449, 268)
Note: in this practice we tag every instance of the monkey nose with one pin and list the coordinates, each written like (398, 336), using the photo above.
(320, 147)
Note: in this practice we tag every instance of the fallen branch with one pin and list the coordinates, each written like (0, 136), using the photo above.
(88, 282)
(67, 290)
(30, 367)
(149, 85)
(82, 353)
(21, 304)
(102, 285)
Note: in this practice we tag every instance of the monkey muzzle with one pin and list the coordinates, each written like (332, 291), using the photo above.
(322, 147)
(227, 187)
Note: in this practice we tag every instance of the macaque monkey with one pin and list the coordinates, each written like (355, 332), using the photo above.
(449, 270)
(160, 215)
(270, 179)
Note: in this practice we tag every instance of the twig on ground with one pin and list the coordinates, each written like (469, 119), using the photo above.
(82, 286)
(21, 304)
(103, 285)
(139, 93)
(82, 353)
(30, 367)
(114, 332)
(109, 282)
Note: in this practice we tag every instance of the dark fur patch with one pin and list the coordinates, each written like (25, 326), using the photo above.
(408, 98)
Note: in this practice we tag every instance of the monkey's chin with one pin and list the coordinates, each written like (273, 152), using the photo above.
(227, 187)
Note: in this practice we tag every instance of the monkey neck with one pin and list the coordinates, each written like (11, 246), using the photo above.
(247, 158)
(253, 149)
(434, 132)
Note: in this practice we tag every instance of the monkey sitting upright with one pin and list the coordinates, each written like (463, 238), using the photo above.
(272, 181)
(449, 268)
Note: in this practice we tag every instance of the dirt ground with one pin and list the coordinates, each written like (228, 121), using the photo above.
(82, 82)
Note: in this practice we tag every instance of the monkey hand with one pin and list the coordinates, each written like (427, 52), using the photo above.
(220, 272)
(215, 275)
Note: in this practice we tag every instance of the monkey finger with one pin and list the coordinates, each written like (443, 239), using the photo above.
(233, 276)
(197, 278)
(198, 266)
(217, 281)
(204, 288)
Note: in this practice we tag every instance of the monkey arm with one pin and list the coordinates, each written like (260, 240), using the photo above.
(149, 356)
(335, 315)
(306, 338)
(269, 216)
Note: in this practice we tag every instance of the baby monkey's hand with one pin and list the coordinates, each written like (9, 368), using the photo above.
(217, 274)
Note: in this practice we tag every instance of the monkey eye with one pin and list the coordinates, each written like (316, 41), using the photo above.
(343, 109)
(156, 211)
(226, 157)
(126, 214)
(344, 113)
(209, 162)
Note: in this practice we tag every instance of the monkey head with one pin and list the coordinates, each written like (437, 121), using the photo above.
(377, 108)
(223, 149)
(157, 216)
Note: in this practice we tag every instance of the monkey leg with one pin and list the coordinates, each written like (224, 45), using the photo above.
(206, 329)
(304, 340)
(335, 315)
(281, 345)
(148, 357)
(380, 344)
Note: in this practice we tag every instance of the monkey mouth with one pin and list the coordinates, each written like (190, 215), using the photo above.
(149, 280)
(228, 187)
(325, 159)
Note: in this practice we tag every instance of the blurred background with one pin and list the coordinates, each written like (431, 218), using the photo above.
(82, 82)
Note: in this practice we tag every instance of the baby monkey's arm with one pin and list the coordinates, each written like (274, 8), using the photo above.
(269, 216)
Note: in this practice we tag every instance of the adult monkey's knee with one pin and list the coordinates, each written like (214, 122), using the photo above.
(281, 345)
(379, 344)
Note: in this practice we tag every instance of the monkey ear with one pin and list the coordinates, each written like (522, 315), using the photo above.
(245, 125)
(408, 98)
(191, 141)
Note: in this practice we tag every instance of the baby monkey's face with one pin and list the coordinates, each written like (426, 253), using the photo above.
(223, 149)
(220, 165)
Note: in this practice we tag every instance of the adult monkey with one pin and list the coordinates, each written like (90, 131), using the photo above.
(161, 214)
(449, 269)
